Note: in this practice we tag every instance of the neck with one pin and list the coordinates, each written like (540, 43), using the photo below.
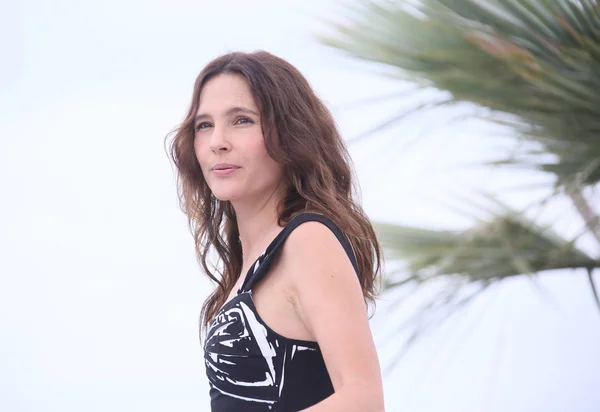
(257, 224)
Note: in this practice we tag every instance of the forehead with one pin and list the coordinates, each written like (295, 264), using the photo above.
(225, 91)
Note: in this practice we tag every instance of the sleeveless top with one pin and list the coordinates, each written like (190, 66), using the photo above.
(252, 368)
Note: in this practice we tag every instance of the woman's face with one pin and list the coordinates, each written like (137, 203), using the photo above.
(229, 142)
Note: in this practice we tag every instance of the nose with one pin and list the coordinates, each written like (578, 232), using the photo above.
(219, 141)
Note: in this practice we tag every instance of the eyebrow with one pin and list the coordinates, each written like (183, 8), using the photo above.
(233, 110)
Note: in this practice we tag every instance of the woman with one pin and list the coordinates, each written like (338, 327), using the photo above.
(265, 181)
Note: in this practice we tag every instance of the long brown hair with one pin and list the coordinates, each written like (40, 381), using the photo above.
(300, 133)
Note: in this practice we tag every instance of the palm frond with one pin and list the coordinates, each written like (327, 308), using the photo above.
(534, 62)
(507, 244)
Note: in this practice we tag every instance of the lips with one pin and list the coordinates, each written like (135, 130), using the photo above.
(225, 166)
(224, 169)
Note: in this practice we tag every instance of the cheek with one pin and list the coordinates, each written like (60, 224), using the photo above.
(264, 160)
(273, 170)
(200, 152)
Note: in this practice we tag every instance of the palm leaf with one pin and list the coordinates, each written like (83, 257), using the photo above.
(505, 245)
(534, 62)
(508, 244)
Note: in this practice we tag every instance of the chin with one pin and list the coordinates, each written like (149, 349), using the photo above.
(226, 195)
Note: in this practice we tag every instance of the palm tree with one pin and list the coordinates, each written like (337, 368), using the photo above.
(534, 67)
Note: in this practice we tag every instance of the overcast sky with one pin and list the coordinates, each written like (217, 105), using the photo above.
(99, 289)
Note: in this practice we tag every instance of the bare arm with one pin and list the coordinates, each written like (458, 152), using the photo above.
(329, 300)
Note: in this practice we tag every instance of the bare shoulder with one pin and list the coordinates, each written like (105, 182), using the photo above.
(329, 301)
(317, 268)
(311, 236)
(314, 259)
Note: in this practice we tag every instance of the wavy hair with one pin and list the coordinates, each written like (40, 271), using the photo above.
(300, 133)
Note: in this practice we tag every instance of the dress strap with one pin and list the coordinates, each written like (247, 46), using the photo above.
(261, 266)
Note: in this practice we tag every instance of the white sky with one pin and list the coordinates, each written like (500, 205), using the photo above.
(99, 288)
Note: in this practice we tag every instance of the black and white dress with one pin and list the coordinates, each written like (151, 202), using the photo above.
(250, 367)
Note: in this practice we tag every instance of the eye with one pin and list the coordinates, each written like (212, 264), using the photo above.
(202, 125)
(242, 120)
